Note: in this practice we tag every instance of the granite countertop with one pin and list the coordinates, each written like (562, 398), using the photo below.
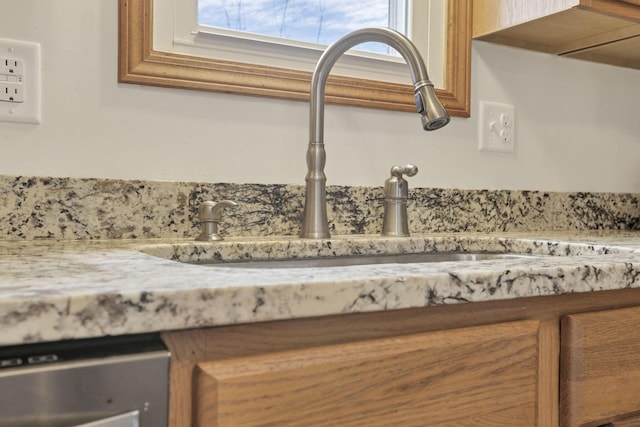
(54, 290)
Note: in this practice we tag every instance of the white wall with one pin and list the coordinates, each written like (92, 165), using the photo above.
(578, 124)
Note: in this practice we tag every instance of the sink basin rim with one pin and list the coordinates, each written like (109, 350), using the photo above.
(352, 260)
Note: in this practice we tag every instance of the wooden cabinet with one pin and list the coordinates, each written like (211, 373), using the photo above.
(498, 363)
(606, 31)
(407, 367)
(600, 368)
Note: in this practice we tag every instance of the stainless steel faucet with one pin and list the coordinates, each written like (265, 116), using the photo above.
(315, 224)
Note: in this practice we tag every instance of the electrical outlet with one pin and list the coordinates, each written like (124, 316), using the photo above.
(497, 127)
(11, 92)
(20, 97)
(11, 66)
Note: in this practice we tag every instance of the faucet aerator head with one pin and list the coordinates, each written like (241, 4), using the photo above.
(434, 124)
(434, 116)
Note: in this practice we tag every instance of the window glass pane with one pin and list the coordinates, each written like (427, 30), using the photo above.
(313, 21)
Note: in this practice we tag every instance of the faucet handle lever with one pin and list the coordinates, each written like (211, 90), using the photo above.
(408, 170)
(210, 214)
(395, 187)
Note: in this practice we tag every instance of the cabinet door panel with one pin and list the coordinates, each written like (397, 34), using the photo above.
(600, 366)
(436, 378)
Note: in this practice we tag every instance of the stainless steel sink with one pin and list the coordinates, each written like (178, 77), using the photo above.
(344, 261)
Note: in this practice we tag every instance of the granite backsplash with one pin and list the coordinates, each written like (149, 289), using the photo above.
(73, 208)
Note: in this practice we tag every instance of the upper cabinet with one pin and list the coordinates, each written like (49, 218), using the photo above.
(606, 31)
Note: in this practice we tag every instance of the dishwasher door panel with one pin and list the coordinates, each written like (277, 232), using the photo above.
(81, 392)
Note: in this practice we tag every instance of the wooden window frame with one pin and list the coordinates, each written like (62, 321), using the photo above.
(139, 63)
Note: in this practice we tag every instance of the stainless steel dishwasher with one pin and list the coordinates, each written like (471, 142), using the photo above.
(110, 382)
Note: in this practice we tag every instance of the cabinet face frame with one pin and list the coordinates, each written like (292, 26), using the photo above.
(139, 63)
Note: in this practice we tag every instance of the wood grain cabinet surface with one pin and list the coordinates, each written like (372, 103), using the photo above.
(600, 368)
(606, 31)
(439, 378)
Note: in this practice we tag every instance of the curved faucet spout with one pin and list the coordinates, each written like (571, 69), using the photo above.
(434, 116)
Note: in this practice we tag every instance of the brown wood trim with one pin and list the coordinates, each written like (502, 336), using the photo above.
(613, 8)
(140, 64)
(548, 383)
(594, 56)
(598, 40)
(570, 367)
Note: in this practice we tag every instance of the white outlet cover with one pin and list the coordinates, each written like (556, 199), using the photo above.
(29, 110)
(497, 127)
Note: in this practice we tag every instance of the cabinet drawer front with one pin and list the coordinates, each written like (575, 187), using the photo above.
(600, 366)
(423, 379)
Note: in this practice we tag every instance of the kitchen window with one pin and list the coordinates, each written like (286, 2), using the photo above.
(311, 23)
(162, 43)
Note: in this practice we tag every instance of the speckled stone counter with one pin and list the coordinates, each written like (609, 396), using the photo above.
(53, 290)
(92, 257)
(72, 208)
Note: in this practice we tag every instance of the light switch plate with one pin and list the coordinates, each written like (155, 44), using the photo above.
(20, 81)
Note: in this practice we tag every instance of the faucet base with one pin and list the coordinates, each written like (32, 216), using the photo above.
(395, 222)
